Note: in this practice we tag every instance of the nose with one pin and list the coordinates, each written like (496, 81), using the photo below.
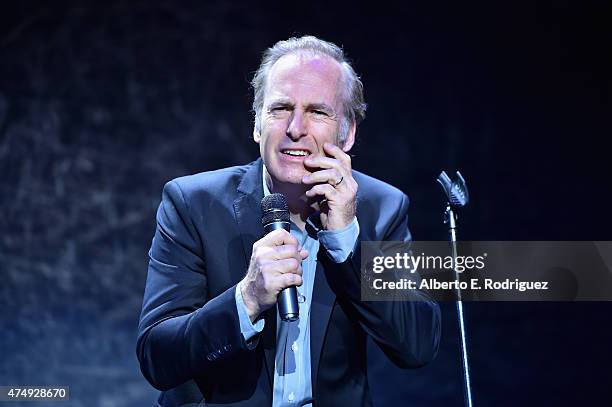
(298, 126)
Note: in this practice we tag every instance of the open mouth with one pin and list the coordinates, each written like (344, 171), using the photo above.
(295, 152)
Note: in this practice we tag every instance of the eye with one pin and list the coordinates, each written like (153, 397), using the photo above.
(319, 112)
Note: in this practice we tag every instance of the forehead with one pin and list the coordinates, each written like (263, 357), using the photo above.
(305, 76)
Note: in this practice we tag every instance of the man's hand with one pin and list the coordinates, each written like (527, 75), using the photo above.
(276, 263)
(336, 184)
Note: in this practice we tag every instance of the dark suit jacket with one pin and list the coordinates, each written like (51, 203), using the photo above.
(189, 341)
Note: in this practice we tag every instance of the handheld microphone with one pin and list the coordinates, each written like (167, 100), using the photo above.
(275, 215)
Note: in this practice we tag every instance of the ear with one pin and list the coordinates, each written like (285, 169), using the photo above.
(256, 135)
(350, 138)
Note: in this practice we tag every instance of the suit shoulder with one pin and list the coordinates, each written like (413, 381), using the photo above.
(371, 188)
(212, 182)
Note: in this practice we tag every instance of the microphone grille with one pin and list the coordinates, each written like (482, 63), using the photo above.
(274, 208)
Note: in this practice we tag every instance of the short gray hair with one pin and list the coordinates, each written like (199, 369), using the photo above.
(354, 105)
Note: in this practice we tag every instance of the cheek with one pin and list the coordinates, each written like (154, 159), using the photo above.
(272, 131)
(266, 143)
(325, 133)
(275, 126)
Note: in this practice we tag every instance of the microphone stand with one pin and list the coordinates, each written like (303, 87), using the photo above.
(458, 197)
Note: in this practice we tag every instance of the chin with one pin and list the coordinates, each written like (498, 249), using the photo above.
(293, 178)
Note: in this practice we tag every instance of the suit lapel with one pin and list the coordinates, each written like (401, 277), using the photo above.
(248, 217)
(323, 299)
(247, 208)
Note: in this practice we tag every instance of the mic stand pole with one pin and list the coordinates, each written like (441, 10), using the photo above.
(458, 197)
(450, 220)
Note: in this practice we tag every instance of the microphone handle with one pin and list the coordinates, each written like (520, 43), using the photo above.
(288, 308)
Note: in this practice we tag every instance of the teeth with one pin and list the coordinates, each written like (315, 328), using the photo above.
(296, 152)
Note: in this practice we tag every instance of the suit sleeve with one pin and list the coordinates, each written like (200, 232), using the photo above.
(182, 333)
(407, 331)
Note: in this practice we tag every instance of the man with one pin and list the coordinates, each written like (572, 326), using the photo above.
(209, 331)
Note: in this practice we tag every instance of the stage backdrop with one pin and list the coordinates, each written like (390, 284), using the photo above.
(101, 104)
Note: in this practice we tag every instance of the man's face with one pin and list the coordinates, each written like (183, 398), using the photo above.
(302, 110)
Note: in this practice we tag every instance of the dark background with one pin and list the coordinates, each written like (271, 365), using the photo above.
(100, 105)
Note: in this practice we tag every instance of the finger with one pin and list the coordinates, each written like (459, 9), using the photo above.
(283, 252)
(336, 152)
(291, 265)
(331, 174)
(273, 269)
(320, 161)
(288, 280)
(277, 237)
(304, 254)
(325, 190)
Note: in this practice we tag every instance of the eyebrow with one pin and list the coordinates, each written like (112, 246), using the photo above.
(312, 106)
(321, 106)
(281, 102)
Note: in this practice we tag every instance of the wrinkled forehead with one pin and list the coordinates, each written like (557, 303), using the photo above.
(306, 69)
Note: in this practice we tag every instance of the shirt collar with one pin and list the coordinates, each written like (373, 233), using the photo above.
(266, 190)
